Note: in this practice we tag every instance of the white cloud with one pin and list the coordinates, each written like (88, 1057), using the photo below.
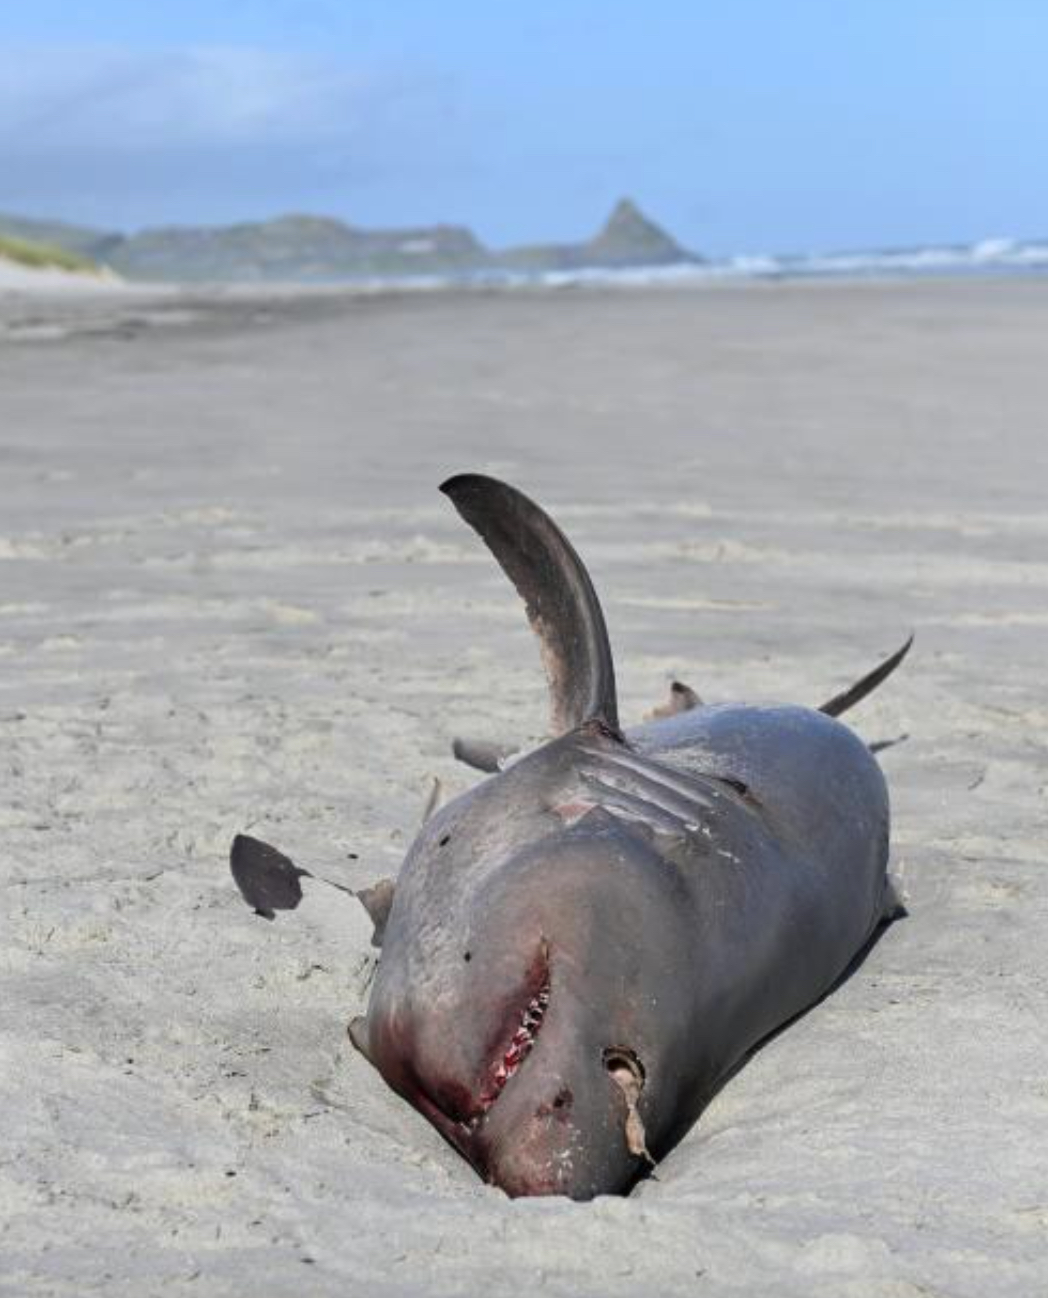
(117, 100)
(121, 137)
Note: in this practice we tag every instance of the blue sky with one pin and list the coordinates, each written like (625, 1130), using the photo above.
(759, 125)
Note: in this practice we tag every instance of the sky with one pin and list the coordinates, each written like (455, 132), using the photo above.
(744, 127)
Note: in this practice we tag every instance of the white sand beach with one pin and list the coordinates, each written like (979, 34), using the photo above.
(232, 599)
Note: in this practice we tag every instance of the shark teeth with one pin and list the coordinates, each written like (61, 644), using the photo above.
(520, 1046)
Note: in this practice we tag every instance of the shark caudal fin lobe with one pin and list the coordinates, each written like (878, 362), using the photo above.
(562, 605)
(842, 702)
(268, 880)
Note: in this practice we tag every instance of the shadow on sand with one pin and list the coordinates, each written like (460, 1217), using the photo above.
(651, 1173)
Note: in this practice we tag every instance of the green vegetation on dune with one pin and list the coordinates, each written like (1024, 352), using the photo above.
(43, 256)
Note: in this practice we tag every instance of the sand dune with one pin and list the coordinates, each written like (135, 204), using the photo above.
(15, 278)
(231, 599)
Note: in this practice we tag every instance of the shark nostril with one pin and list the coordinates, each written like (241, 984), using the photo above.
(559, 1107)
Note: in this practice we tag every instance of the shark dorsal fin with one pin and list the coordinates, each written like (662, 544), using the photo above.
(562, 605)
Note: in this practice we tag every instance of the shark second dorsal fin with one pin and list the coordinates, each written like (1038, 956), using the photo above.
(562, 605)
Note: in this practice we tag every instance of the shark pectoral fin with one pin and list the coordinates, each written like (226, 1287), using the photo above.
(849, 697)
(267, 879)
(682, 699)
(358, 1034)
(561, 604)
(377, 901)
(482, 754)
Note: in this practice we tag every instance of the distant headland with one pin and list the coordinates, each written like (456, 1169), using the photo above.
(315, 249)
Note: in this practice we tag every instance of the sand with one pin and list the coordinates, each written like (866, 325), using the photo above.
(231, 598)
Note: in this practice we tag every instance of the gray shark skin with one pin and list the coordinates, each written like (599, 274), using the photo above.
(582, 948)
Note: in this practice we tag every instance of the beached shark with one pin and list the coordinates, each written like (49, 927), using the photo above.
(579, 950)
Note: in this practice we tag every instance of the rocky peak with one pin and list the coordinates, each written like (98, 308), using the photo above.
(628, 236)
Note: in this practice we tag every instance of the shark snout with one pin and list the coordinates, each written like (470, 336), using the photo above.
(568, 1118)
(568, 1131)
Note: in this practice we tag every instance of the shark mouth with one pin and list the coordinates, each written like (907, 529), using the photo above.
(523, 1040)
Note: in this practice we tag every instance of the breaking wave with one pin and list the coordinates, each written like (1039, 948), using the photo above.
(985, 257)
(988, 256)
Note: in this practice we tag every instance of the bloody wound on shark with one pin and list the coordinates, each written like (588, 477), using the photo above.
(579, 950)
